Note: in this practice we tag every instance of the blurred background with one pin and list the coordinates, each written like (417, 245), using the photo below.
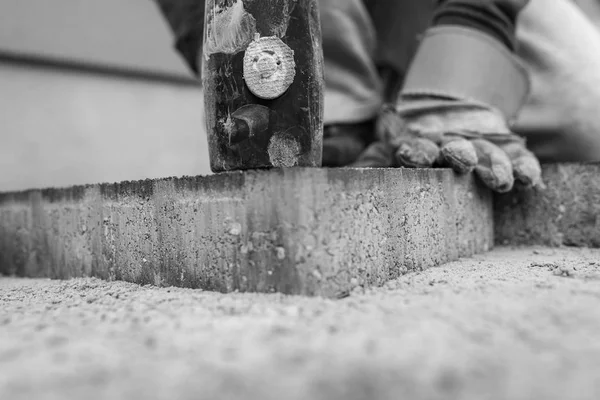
(93, 91)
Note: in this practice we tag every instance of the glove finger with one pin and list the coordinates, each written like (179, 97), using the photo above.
(339, 151)
(459, 154)
(526, 167)
(416, 152)
(377, 155)
(389, 124)
(494, 167)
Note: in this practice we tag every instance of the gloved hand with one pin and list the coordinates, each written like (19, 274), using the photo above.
(424, 132)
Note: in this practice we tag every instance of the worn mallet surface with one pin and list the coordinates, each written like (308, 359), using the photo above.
(262, 74)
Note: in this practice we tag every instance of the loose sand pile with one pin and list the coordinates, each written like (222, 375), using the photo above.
(513, 324)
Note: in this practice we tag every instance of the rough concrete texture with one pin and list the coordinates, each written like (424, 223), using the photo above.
(510, 324)
(296, 231)
(566, 213)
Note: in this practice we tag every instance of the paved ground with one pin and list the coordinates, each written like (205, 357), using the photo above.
(502, 326)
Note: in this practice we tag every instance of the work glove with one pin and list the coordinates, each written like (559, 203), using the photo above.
(461, 92)
(429, 131)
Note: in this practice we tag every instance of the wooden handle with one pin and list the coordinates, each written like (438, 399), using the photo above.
(262, 72)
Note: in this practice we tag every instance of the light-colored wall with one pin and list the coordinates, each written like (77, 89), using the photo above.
(62, 127)
(125, 34)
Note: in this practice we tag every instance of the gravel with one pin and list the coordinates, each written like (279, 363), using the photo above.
(511, 324)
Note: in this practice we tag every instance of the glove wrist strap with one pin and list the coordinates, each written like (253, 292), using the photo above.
(465, 64)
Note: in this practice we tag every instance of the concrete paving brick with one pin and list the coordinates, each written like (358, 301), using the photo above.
(299, 231)
(566, 213)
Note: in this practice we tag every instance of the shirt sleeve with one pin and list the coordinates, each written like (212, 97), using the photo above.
(494, 17)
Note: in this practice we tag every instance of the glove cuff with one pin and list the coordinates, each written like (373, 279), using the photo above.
(464, 64)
